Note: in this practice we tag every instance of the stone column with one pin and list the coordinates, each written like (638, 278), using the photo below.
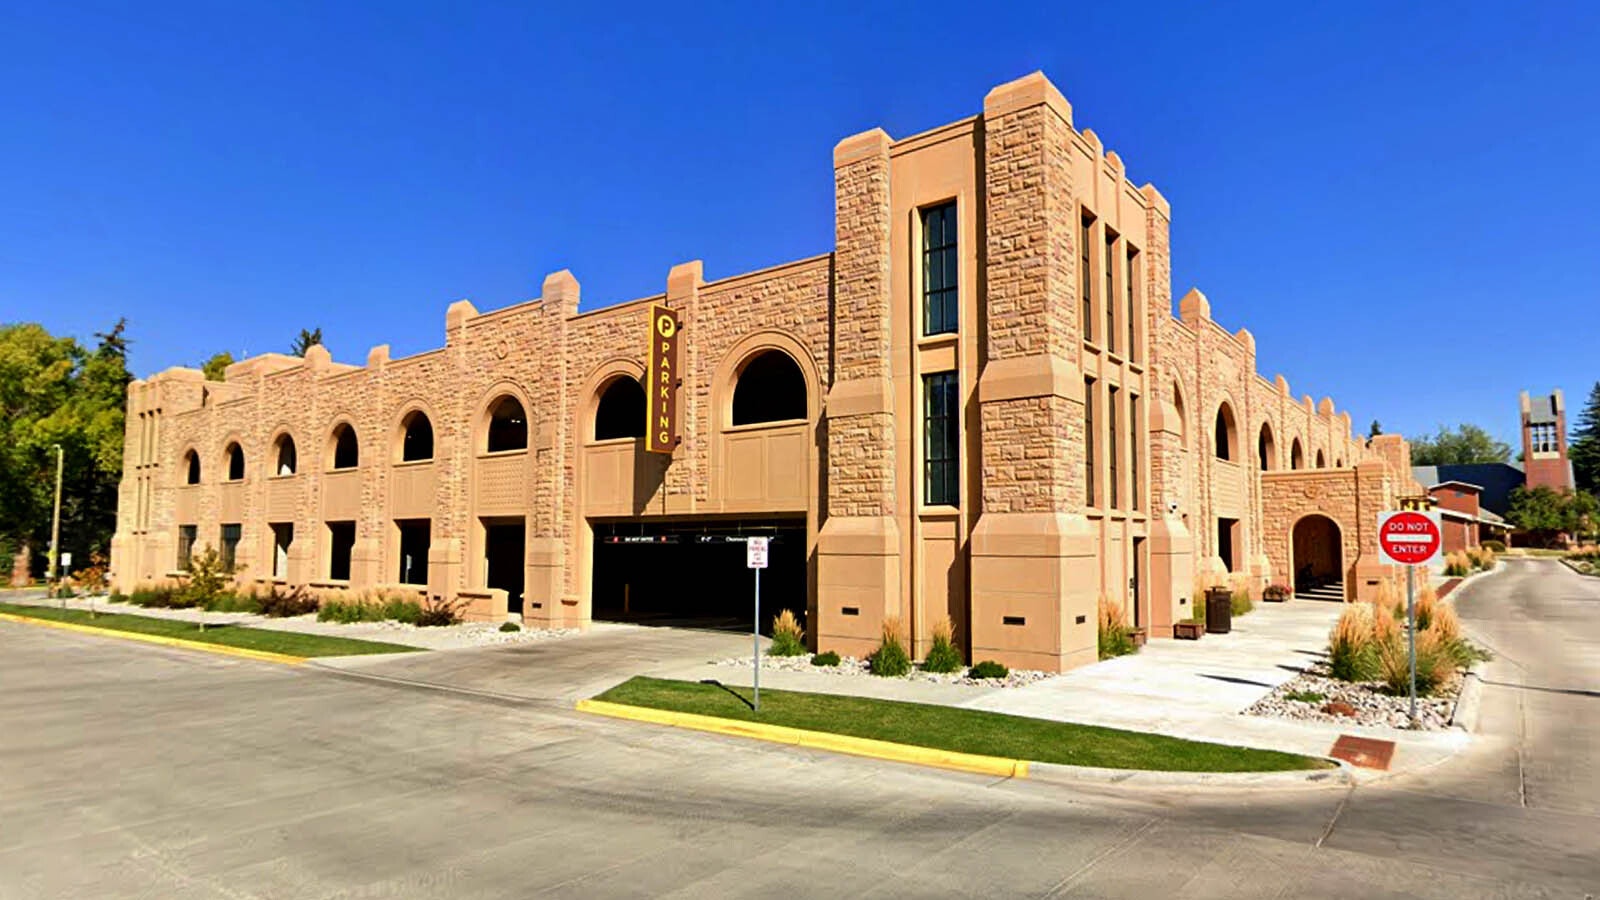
(858, 547)
(549, 595)
(1033, 566)
(1373, 495)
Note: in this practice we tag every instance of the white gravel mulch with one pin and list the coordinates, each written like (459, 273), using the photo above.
(850, 666)
(1372, 702)
(444, 637)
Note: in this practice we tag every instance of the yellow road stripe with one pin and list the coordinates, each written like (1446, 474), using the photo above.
(222, 649)
(817, 740)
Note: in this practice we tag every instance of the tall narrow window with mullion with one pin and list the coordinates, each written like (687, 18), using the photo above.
(939, 270)
(1133, 316)
(1110, 294)
(1111, 449)
(1089, 498)
(1136, 491)
(941, 445)
(1085, 276)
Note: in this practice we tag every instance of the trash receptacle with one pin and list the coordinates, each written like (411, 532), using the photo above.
(1219, 610)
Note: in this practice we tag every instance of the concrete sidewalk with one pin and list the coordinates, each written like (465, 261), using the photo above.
(1187, 689)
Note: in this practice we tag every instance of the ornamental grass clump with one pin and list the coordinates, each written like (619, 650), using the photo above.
(1434, 663)
(1457, 565)
(890, 660)
(943, 655)
(1352, 654)
(1114, 637)
(1426, 607)
(788, 638)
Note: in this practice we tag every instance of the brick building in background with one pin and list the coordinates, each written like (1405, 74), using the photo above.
(978, 405)
(1544, 463)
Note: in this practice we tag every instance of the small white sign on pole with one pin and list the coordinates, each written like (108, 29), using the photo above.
(66, 560)
(755, 553)
(755, 557)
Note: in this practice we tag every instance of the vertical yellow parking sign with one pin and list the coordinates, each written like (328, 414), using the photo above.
(661, 413)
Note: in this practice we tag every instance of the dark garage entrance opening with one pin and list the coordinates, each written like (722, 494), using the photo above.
(692, 574)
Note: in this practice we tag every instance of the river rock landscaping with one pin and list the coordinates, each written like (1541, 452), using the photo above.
(1355, 702)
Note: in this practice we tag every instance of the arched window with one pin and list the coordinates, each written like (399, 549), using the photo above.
(508, 425)
(1267, 448)
(1338, 463)
(283, 449)
(417, 442)
(620, 412)
(191, 467)
(235, 455)
(1297, 456)
(770, 388)
(1227, 433)
(346, 449)
(1322, 461)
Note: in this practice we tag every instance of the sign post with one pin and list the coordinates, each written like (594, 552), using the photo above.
(755, 557)
(1410, 539)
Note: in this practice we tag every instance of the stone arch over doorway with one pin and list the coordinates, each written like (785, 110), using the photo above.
(1317, 555)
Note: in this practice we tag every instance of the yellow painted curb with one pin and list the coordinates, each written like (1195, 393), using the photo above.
(817, 740)
(222, 649)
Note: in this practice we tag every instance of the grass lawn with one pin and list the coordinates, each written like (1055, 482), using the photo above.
(961, 730)
(285, 642)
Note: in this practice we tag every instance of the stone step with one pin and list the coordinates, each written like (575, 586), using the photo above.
(1329, 592)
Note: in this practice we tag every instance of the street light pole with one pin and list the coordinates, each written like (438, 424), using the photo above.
(55, 522)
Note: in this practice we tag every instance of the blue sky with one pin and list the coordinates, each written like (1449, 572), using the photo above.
(1399, 201)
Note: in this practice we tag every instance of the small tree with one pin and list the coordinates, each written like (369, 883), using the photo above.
(305, 341)
(216, 367)
(208, 576)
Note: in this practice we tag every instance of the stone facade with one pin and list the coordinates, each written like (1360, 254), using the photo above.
(1103, 448)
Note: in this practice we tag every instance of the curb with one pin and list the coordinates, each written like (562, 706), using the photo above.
(1049, 773)
(180, 643)
(1470, 700)
(818, 740)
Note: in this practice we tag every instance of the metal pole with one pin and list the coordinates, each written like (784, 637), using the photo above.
(1411, 633)
(55, 524)
(755, 640)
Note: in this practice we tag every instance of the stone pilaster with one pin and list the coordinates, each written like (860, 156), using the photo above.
(549, 594)
(1032, 551)
(858, 546)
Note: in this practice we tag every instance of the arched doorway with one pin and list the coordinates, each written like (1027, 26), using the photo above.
(1318, 561)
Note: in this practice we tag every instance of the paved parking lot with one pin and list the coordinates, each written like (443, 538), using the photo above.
(132, 771)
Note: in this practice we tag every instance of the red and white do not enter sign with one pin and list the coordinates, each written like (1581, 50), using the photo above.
(1410, 538)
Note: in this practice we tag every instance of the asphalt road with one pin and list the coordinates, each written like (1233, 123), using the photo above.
(134, 771)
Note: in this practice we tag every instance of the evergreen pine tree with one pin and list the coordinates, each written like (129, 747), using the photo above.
(1583, 448)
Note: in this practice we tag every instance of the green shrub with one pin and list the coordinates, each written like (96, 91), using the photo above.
(63, 592)
(1240, 602)
(286, 602)
(890, 660)
(343, 611)
(788, 638)
(1114, 637)
(229, 602)
(988, 669)
(438, 612)
(943, 656)
(118, 597)
(1305, 696)
(403, 609)
(1496, 546)
(510, 627)
(829, 658)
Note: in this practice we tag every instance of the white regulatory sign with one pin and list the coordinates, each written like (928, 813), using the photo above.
(755, 553)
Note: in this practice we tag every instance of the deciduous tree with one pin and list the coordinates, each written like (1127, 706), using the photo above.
(1460, 446)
